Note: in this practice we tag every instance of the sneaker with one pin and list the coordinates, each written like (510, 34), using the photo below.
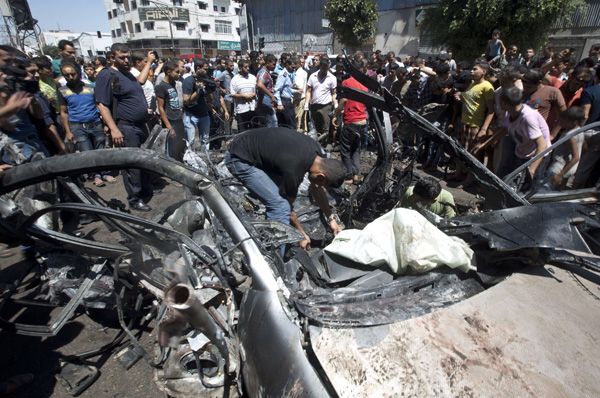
(141, 206)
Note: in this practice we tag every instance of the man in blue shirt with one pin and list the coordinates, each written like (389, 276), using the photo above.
(80, 116)
(286, 117)
(128, 125)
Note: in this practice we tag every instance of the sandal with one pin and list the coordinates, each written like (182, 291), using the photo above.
(110, 179)
(15, 384)
(98, 182)
(5, 253)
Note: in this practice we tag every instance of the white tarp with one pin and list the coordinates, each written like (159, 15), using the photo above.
(402, 239)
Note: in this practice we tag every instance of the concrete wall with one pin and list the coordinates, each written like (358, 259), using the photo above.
(396, 31)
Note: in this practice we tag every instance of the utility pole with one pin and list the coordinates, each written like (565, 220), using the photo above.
(166, 13)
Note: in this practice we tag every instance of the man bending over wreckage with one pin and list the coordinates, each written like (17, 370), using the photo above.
(271, 164)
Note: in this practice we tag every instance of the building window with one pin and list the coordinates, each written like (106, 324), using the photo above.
(112, 33)
(204, 28)
(114, 13)
(180, 25)
(149, 25)
(145, 2)
(109, 15)
(118, 32)
(238, 11)
(215, 8)
(177, 3)
(222, 9)
(133, 5)
(222, 26)
(202, 5)
(138, 28)
(123, 28)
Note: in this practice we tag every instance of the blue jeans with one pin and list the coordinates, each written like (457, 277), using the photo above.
(28, 146)
(87, 139)
(191, 122)
(262, 185)
(266, 116)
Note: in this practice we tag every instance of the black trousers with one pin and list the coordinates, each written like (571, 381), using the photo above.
(287, 117)
(245, 122)
(350, 140)
(135, 180)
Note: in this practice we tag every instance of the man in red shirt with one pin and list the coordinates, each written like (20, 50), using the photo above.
(355, 124)
(571, 89)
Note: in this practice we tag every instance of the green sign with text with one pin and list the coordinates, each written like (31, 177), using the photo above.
(230, 45)
(163, 14)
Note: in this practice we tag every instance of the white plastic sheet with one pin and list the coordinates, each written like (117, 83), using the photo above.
(402, 239)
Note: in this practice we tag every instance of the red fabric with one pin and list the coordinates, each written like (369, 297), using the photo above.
(354, 111)
(570, 99)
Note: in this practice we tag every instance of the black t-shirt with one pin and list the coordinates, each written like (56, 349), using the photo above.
(131, 102)
(168, 92)
(279, 151)
(198, 108)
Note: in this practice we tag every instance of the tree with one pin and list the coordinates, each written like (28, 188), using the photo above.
(51, 51)
(352, 20)
(465, 26)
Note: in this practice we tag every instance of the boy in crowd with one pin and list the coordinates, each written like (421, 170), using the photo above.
(171, 110)
(428, 193)
(477, 113)
(528, 129)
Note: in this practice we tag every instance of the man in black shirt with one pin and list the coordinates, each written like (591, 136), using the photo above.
(128, 124)
(272, 162)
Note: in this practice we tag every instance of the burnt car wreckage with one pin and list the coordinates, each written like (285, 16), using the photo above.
(235, 318)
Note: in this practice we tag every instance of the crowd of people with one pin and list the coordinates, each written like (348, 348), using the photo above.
(503, 107)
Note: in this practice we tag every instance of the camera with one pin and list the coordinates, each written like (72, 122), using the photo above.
(16, 74)
(209, 84)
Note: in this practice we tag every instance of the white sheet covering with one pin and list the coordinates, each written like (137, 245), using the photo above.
(402, 239)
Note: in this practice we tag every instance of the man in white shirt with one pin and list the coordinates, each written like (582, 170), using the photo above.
(141, 69)
(299, 96)
(321, 97)
(243, 92)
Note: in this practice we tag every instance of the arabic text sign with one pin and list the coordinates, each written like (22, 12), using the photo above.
(163, 14)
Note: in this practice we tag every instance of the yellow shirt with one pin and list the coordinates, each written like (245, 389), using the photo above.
(474, 103)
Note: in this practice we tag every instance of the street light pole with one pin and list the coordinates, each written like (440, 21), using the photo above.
(166, 14)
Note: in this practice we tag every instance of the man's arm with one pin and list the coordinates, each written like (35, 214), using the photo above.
(557, 179)
(163, 115)
(279, 86)
(224, 108)
(488, 119)
(64, 116)
(320, 196)
(338, 110)
(52, 134)
(586, 108)
(115, 133)
(308, 96)
(540, 147)
(263, 89)
(143, 76)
